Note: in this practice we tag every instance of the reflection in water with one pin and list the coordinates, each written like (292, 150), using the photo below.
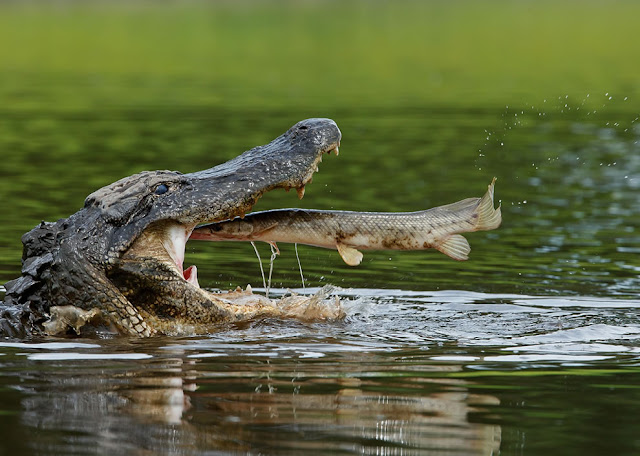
(191, 404)
(336, 412)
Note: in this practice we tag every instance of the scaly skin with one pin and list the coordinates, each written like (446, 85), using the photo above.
(435, 228)
(115, 263)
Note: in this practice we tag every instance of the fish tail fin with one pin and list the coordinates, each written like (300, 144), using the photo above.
(488, 217)
(472, 214)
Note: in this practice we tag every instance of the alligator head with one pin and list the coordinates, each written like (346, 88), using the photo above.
(118, 262)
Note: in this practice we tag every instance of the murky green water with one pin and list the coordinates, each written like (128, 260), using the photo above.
(530, 347)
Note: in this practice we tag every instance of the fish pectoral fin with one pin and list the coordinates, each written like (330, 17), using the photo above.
(266, 229)
(454, 246)
(350, 255)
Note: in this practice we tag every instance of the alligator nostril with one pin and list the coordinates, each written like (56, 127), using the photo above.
(303, 127)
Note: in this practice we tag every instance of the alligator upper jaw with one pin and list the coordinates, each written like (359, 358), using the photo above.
(232, 188)
(287, 162)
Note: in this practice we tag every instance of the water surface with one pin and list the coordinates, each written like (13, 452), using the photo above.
(450, 372)
(531, 345)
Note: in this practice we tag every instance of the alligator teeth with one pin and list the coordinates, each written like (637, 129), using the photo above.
(337, 151)
(317, 169)
(300, 191)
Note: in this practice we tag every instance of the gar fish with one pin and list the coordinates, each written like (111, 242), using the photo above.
(347, 231)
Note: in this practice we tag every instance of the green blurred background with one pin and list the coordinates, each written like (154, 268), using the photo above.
(91, 55)
(433, 98)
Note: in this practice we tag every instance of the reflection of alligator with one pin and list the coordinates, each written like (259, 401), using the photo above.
(118, 262)
(240, 403)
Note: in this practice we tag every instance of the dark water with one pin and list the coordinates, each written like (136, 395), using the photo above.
(530, 347)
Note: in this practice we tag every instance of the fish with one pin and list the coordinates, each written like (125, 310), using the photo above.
(348, 232)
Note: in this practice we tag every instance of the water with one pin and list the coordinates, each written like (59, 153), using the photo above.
(452, 372)
(532, 347)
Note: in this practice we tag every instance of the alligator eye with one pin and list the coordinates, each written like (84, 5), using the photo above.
(160, 189)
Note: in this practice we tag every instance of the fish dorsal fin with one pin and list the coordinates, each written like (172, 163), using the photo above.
(454, 246)
(350, 255)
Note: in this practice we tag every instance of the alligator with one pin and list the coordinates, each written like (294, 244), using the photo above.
(117, 264)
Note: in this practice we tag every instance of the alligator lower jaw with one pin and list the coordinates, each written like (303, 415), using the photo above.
(153, 255)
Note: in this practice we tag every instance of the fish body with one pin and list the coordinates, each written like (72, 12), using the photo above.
(349, 232)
